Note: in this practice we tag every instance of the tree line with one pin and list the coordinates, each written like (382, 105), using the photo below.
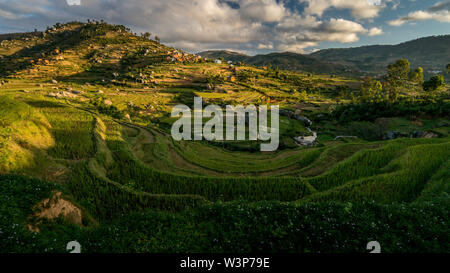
(398, 77)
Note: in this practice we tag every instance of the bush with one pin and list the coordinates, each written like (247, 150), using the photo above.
(434, 83)
(370, 111)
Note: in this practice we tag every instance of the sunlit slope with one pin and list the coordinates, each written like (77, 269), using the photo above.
(113, 167)
(88, 106)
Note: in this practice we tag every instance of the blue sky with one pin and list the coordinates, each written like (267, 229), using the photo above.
(398, 34)
(248, 26)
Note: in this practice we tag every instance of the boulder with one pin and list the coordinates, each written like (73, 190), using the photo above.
(306, 140)
(219, 90)
(430, 135)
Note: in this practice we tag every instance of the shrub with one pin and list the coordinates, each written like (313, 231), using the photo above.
(434, 83)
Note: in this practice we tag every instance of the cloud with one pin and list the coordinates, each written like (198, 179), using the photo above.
(262, 10)
(438, 12)
(375, 31)
(196, 25)
(7, 15)
(264, 46)
(440, 6)
(315, 31)
(73, 2)
(361, 9)
(395, 5)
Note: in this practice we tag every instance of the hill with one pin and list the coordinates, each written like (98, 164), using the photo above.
(284, 60)
(432, 53)
(86, 123)
(225, 54)
(296, 62)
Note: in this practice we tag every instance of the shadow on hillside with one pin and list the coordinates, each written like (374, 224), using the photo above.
(44, 104)
(22, 59)
(103, 73)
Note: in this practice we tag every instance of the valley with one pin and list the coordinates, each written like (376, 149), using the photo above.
(85, 116)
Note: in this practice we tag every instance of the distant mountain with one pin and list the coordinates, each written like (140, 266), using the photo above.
(225, 54)
(284, 60)
(432, 53)
(298, 62)
(11, 36)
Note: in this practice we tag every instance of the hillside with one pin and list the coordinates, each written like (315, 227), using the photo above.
(86, 125)
(432, 53)
(235, 57)
(285, 60)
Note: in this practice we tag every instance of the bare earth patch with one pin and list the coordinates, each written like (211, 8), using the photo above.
(54, 207)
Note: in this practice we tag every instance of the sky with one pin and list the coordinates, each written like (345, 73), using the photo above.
(247, 26)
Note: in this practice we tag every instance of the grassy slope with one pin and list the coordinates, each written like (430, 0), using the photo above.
(114, 166)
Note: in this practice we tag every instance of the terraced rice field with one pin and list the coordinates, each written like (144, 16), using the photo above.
(144, 162)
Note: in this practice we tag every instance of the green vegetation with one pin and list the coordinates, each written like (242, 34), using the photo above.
(264, 227)
(429, 53)
(85, 111)
(434, 83)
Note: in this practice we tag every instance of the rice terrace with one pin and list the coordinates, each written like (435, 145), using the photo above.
(87, 154)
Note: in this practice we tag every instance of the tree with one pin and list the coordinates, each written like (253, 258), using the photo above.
(397, 75)
(447, 68)
(371, 91)
(399, 70)
(146, 35)
(434, 83)
(417, 76)
(157, 39)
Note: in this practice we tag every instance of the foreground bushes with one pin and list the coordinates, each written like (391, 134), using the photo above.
(18, 196)
(372, 111)
(233, 227)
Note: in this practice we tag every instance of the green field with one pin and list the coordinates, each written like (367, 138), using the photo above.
(110, 154)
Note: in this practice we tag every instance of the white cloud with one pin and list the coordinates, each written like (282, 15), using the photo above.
(375, 31)
(361, 9)
(73, 2)
(438, 12)
(441, 16)
(315, 31)
(264, 46)
(440, 6)
(262, 10)
(374, 2)
(196, 25)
